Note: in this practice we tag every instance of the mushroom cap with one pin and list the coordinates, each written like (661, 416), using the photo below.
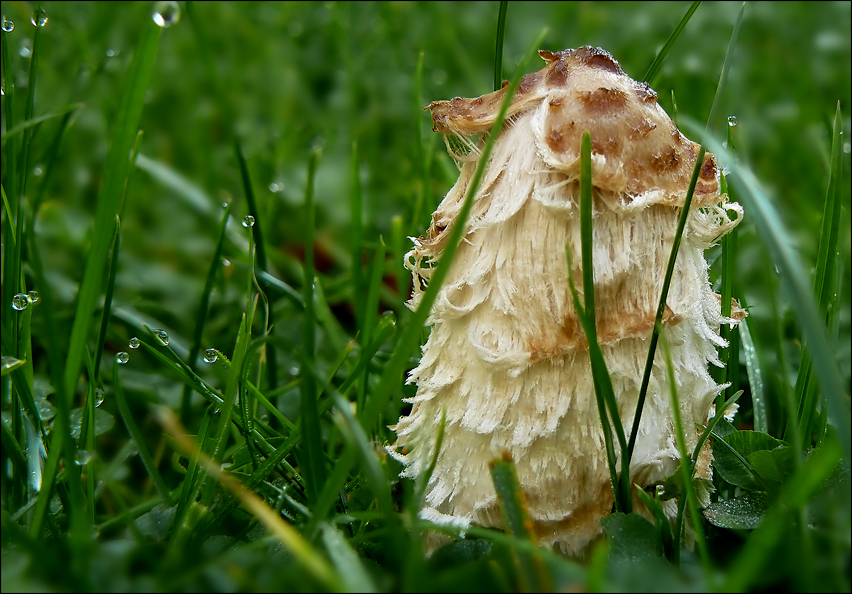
(638, 152)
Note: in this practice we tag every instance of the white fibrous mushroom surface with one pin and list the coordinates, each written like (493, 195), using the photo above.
(507, 360)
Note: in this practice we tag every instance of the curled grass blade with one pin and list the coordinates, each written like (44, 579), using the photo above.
(681, 225)
(410, 336)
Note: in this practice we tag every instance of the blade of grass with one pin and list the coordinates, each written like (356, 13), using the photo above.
(410, 336)
(586, 313)
(201, 315)
(220, 437)
(513, 507)
(498, 49)
(601, 380)
(35, 121)
(661, 307)
(806, 393)
(685, 459)
(137, 437)
(655, 66)
(751, 560)
(755, 379)
(314, 467)
(356, 221)
(287, 534)
(372, 305)
(116, 169)
(774, 235)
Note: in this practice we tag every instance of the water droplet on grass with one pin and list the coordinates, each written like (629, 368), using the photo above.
(38, 171)
(166, 14)
(122, 358)
(99, 397)
(732, 121)
(8, 26)
(26, 49)
(33, 296)
(83, 457)
(847, 148)
(134, 343)
(275, 187)
(20, 302)
(248, 221)
(39, 18)
(111, 53)
(162, 336)
(211, 356)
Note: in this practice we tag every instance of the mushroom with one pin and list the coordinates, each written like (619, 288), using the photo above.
(507, 361)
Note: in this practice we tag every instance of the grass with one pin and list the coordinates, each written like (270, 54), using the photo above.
(264, 470)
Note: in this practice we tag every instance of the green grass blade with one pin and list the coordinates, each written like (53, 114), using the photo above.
(755, 379)
(201, 315)
(513, 507)
(498, 48)
(220, 436)
(681, 225)
(28, 112)
(410, 336)
(314, 466)
(685, 465)
(137, 438)
(751, 561)
(655, 66)
(600, 375)
(113, 269)
(601, 379)
(371, 307)
(774, 235)
(356, 222)
(35, 121)
(116, 169)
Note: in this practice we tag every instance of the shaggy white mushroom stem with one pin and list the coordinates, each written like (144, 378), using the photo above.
(507, 358)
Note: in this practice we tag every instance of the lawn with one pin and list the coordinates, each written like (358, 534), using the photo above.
(210, 209)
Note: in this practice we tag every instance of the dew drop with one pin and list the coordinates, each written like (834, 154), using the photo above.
(732, 121)
(166, 14)
(162, 336)
(248, 221)
(39, 18)
(847, 148)
(225, 204)
(134, 343)
(95, 532)
(226, 262)
(275, 187)
(8, 26)
(211, 356)
(122, 358)
(55, 505)
(111, 53)
(99, 397)
(38, 171)
(660, 489)
(83, 457)
(33, 296)
(20, 302)
(25, 51)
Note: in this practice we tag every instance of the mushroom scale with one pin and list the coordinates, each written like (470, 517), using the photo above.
(507, 359)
